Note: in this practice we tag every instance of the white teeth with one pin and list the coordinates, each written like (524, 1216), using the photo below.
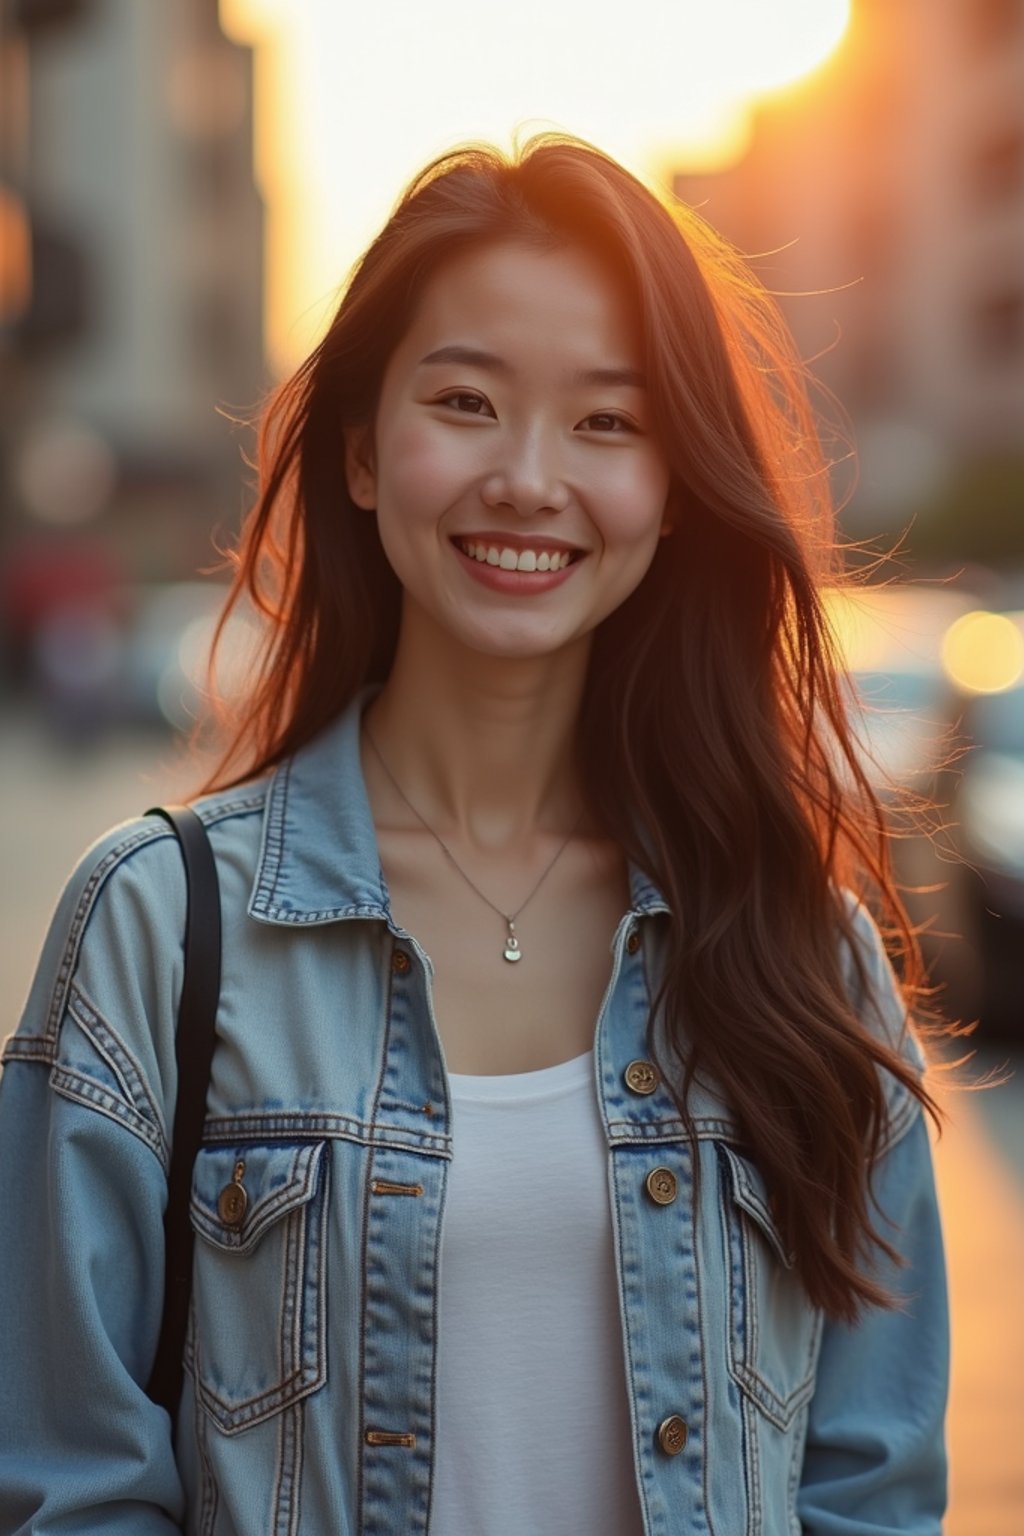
(516, 560)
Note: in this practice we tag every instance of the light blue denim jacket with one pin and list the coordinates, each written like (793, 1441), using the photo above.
(308, 1403)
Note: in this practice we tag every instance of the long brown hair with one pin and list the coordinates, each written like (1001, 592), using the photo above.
(713, 739)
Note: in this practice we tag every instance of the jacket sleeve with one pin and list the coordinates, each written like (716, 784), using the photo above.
(875, 1458)
(85, 1100)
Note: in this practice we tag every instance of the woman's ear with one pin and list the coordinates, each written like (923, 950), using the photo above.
(360, 468)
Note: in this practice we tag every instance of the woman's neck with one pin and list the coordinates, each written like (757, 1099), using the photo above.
(482, 746)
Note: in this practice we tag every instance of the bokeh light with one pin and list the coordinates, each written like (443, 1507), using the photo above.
(15, 257)
(984, 652)
(65, 472)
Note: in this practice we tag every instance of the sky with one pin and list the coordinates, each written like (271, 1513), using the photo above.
(351, 102)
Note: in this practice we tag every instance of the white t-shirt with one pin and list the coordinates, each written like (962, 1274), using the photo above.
(533, 1430)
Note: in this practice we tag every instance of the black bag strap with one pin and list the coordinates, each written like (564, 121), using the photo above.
(193, 1049)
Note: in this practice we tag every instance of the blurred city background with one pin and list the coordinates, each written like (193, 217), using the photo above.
(183, 188)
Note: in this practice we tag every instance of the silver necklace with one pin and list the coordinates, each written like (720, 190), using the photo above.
(512, 951)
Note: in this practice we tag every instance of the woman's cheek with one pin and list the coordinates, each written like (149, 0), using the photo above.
(632, 488)
(425, 466)
(630, 515)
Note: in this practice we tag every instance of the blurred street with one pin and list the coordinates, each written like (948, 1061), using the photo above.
(56, 801)
(184, 194)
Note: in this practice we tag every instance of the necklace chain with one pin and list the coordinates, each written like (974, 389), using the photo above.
(512, 950)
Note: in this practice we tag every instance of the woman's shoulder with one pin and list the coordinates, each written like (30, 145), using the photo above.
(113, 949)
(136, 867)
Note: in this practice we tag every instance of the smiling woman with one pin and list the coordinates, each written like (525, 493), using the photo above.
(565, 1167)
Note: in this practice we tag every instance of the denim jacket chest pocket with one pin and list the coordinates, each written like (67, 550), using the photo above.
(773, 1330)
(257, 1333)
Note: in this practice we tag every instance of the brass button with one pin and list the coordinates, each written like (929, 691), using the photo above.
(633, 941)
(400, 962)
(232, 1202)
(672, 1434)
(661, 1186)
(640, 1077)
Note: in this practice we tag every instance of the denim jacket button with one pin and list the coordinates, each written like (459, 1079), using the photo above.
(400, 962)
(232, 1202)
(640, 1077)
(661, 1185)
(633, 941)
(672, 1434)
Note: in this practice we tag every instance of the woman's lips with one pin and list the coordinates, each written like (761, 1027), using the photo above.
(522, 583)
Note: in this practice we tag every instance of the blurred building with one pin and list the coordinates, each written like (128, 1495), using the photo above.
(131, 280)
(884, 200)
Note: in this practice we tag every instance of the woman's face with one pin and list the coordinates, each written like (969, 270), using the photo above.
(514, 429)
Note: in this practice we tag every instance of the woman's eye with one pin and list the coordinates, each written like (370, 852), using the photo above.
(608, 421)
(467, 403)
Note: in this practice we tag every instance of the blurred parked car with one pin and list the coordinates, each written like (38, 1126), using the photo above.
(989, 812)
(905, 712)
(137, 656)
(165, 650)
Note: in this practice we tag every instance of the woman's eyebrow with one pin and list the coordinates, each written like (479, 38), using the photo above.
(632, 377)
(475, 357)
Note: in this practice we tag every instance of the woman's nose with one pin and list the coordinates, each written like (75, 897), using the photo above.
(527, 476)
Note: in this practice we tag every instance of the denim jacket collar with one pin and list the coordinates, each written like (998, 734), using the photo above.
(319, 861)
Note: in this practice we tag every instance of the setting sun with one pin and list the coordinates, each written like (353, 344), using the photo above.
(770, 46)
(351, 104)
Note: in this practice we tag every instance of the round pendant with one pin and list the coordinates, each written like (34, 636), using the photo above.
(512, 950)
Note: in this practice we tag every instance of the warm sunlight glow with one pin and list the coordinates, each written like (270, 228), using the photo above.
(772, 45)
(897, 628)
(863, 642)
(350, 102)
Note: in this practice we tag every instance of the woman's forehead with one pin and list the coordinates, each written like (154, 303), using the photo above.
(498, 298)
